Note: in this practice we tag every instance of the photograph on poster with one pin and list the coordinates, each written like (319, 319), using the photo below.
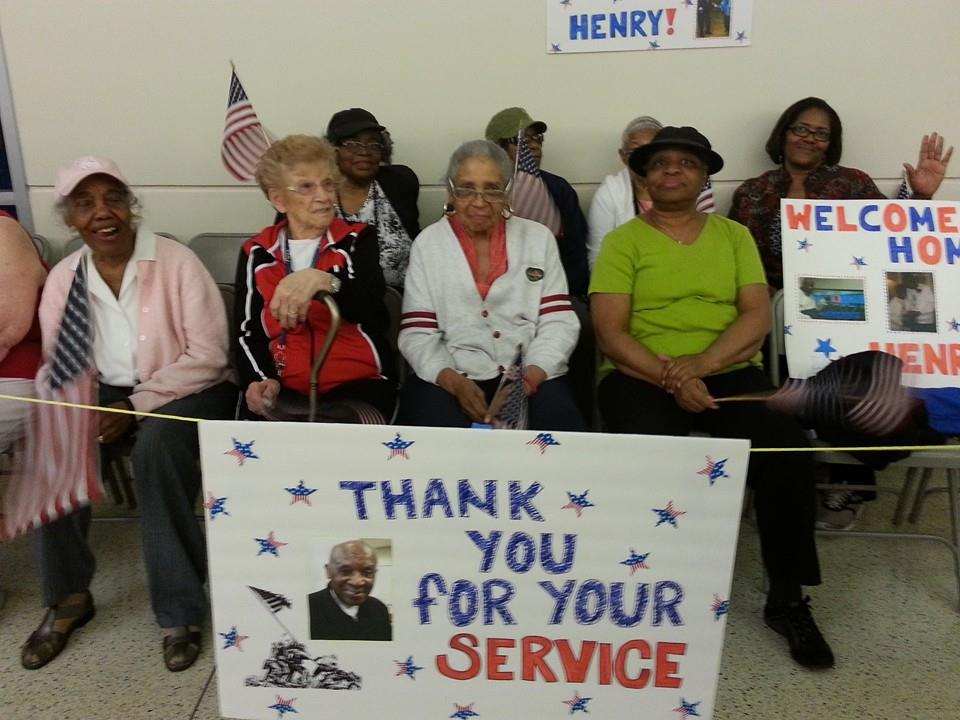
(351, 589)
(832, 298)
(911, 302)
(713, 18)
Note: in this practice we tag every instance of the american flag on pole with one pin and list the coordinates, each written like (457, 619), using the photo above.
(903, 192)
(509, 404)
(272, 600)
(705, 199)
(530, 198)
(58, 470)
(244, 139)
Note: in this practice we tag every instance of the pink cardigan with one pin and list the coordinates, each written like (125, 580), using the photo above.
(183, 325)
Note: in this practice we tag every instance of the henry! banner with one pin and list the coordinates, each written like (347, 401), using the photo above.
(377, 572)
(873, 275)
(610, 25)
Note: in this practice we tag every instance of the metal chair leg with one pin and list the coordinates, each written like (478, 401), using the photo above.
(905, 492)
(921, 495)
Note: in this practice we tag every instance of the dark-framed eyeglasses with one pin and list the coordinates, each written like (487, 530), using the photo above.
(802, 131)
(535, 138)
(361, 148)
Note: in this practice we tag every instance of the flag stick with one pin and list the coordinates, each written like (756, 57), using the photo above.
(272, 613)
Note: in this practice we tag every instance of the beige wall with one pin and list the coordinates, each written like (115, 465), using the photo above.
(145, 83)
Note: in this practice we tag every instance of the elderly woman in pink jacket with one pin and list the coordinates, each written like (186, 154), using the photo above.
(138, 314)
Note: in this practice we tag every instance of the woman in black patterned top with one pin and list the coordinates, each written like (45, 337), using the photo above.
(373, 191)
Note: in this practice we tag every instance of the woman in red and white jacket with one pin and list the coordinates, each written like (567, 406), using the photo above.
(281, 323)
(480, 284)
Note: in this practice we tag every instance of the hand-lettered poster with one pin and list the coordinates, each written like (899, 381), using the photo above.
(873, 275)
(376, 572)
(610, 25)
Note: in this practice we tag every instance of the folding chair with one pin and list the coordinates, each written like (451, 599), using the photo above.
(219, 253)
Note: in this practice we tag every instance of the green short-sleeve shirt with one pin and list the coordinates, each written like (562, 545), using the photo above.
(682, 296)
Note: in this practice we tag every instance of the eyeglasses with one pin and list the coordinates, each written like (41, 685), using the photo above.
(802, 131)
(360, 148)
(536, 138)
(308, 188)
(490, 196)
(113, 200)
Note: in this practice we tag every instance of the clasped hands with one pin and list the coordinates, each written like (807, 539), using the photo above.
(681, 377)
(291, 299)
(471, 398)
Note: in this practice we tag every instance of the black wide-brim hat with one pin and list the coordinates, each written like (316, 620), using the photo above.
(682, 138)
(348, 123)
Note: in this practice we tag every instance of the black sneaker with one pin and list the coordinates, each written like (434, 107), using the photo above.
(795, 622)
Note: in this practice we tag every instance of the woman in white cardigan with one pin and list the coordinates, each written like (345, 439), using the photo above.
(480, 284)
(622, 195)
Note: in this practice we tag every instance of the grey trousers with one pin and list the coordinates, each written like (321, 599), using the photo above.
(167, 476)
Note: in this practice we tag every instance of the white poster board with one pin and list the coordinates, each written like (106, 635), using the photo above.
(873, 275)
(613, 25)
(526, 574)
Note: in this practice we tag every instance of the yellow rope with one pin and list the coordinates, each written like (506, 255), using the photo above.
(826, 449)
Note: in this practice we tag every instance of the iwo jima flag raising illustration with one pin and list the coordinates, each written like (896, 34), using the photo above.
(290, 665)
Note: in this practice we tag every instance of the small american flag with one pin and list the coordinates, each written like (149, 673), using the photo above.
(275, 602)
(903, 192)
(244, 139)
(705, 199)
(530, 198)
(509, 404)
(58, 471)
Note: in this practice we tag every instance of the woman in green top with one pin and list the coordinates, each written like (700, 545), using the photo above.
(680, 308)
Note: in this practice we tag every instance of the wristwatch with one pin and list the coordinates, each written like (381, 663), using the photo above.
(335, 285)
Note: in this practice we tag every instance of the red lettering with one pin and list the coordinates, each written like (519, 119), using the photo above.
(575, 668)
(495, 659)
(605, 669)
(930, 249)
(931, 359)
(842, 224)
(620, 665)
(955, 358)
(667, 668)
(894, 217)
(908, 353)
(532, 659)
(945, 220)
(799, 219)
(465, 643)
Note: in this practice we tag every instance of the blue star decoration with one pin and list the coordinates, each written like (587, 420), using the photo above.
(668, 515)
(301, 493)
(544, 440)
(859, 262)
(577, 703)
(554, 47)
(741, 36)
(654, 45)
(635, 561)
(719, 607)
(269, 545)
(216, 506)
(688, 3)
(398, 447)
(407, 668)
(714, 469)
(804, 244)
(283, 706)
(788, 329)
(578, 503)
(233, 639)
(242, 451)
(954, 325)
(687, 709)
(462, 712)
(824, 346)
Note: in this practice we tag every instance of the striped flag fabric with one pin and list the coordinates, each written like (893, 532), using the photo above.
(244, 139)
(530, 198)
(58, 468)
(705, 202)
(903, 192)
(275, 602)
(509, 404)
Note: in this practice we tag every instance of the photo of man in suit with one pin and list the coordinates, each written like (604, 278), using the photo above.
(345, 610)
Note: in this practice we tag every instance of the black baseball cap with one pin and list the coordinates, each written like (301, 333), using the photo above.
(684, 138)
(347, 123)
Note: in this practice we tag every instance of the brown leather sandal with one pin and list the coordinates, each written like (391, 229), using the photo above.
(45, 643)
(181, 648)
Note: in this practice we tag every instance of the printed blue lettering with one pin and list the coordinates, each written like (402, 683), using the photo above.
(618, 24)
(487, 547)
(521, 552)
(463, 590)
(498, 603)
(664, 605)
(636, 23)
(596, 30)
(900, 247)
(404, 497)
(820, 217)
(358, 488)
(616, 605)
(952, 248)
(864, 222)
(560, 598)
(466, 496)
(436, 496)
(522, 500)
(590, 590)
(922, 217)
(547, 560)
(579, 27)
(654, 17)
(423, 601)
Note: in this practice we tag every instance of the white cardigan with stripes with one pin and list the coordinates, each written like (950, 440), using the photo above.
(446, 324)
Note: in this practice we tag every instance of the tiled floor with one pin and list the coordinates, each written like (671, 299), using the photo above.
(888, 607)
